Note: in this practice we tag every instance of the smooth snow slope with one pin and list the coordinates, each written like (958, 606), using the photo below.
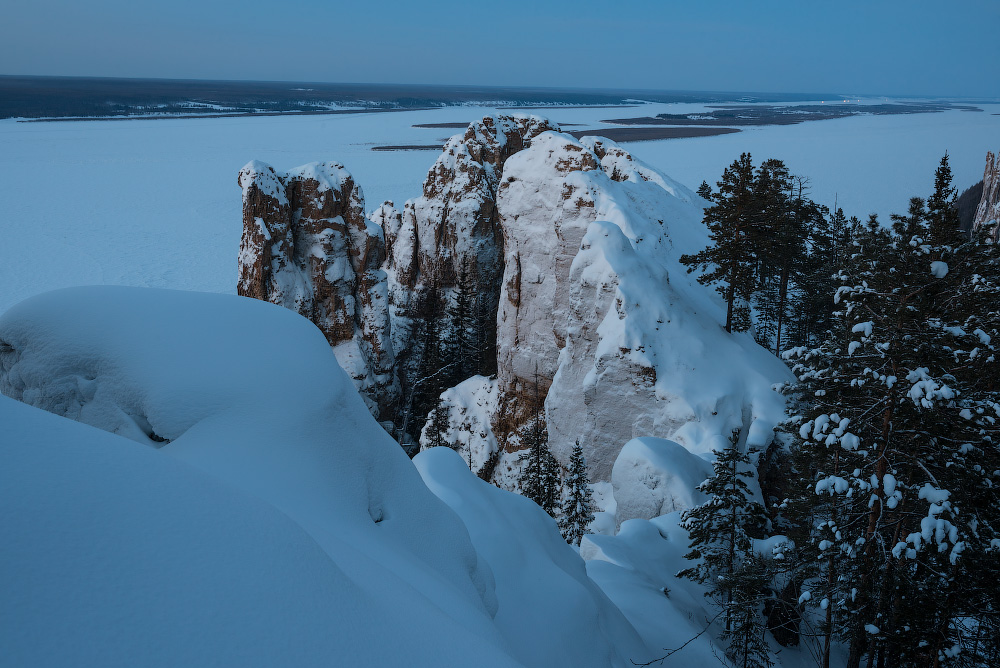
(155, 203)
(250, 394)
(546, 601)
(117, 555)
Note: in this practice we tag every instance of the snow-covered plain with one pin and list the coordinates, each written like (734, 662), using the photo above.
(155, 202)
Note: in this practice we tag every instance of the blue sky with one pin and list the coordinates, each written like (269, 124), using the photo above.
(887, 47)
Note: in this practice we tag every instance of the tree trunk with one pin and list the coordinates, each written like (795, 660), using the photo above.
(782, 294)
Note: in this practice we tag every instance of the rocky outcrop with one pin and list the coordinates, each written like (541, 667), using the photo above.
(308, 246)
(597, 311)
(453, 228)
(988, 212)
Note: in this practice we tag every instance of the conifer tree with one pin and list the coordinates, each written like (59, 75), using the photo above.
(746, 643)
(897, 449)
(577, 508)
(539, 479)
(705, 190)
(467, 341)
(778, 242)
(436, 431)
(728, 262)
(720, 528)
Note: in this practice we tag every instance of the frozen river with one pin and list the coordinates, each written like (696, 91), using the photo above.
(156, 203)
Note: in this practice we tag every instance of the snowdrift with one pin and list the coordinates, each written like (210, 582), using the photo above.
(237, 503)
(265, 435)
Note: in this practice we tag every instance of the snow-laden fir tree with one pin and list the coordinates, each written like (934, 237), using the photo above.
(577, 507)
(746, 642)
(721, 528)
(897, 452)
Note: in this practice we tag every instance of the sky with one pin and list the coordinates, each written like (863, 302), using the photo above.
(889, 47)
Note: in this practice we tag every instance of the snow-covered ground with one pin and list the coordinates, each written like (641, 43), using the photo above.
(278, 524)
(155, 202)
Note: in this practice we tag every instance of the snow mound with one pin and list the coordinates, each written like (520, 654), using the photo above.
(117, 555)
(637, 569)
(281, 424)
(545, 596)
(654, 476)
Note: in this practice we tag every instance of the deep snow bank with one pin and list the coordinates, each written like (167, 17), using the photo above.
(251, 394)
(117, 555)
(654, 476)
(545, 600)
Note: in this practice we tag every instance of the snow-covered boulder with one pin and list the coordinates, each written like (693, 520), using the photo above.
(470, 406)
(654, 476)
(550, 610)
(596, 306)
(308, 246)
(200, 377)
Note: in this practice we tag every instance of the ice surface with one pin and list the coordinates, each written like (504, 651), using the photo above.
(154, 203)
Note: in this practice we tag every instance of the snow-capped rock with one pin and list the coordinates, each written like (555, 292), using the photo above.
(596, 307)
(308, 246)
(470, 406)
(988, 211)
(453, 226)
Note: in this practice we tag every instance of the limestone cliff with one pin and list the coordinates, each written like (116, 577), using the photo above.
(988, 212)
(308, 246)
(452, 228)
(595, 305)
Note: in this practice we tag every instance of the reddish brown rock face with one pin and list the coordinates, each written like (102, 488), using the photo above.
(988, 212)
(308, 246)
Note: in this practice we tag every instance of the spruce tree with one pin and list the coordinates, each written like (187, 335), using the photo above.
(577, 508)
(463, 323)
(720, 528)
(746, 643)
(705, 190)
(436, 430)
(539, 477)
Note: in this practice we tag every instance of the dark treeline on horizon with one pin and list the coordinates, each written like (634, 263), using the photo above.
(39, 97)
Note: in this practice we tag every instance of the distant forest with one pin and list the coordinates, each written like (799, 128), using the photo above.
(61, 97)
